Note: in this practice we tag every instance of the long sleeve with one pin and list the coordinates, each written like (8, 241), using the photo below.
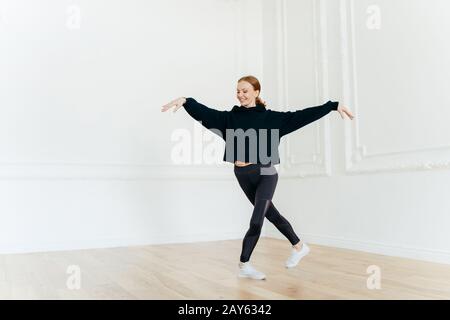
(289, 121)
(209, 118)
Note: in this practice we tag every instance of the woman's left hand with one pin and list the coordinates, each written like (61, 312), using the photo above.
(343, 110)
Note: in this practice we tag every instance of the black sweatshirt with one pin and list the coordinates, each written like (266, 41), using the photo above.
(253, 134)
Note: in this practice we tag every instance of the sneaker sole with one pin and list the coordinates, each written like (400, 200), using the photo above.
(250, 277)
(292, 266)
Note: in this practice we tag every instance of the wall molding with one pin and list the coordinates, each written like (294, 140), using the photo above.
(110, 171)
(357, 159)
(116, 242)
(317, 163)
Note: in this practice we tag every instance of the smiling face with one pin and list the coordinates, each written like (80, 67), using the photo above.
(246, 94)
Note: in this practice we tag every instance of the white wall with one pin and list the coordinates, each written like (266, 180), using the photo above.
(377, 183)
(85, 153)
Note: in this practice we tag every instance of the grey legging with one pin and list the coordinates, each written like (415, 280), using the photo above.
(259, 182)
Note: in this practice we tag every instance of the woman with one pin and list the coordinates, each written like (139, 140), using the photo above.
(253, 162)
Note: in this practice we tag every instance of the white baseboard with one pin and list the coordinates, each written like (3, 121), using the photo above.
(99, 243)
(425, 254)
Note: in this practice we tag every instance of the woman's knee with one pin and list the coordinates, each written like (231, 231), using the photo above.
(255, 229)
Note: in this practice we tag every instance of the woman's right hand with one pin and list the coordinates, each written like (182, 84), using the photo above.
(176, 104)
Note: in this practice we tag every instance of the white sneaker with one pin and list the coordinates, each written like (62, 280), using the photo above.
(296, 256)
(246, 270)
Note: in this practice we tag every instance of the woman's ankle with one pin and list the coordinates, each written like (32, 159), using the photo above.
(298, 246)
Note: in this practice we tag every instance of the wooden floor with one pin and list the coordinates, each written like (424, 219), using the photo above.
(208, 270)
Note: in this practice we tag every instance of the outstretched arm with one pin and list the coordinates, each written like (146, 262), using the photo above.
(290, 121)
(209, 118)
